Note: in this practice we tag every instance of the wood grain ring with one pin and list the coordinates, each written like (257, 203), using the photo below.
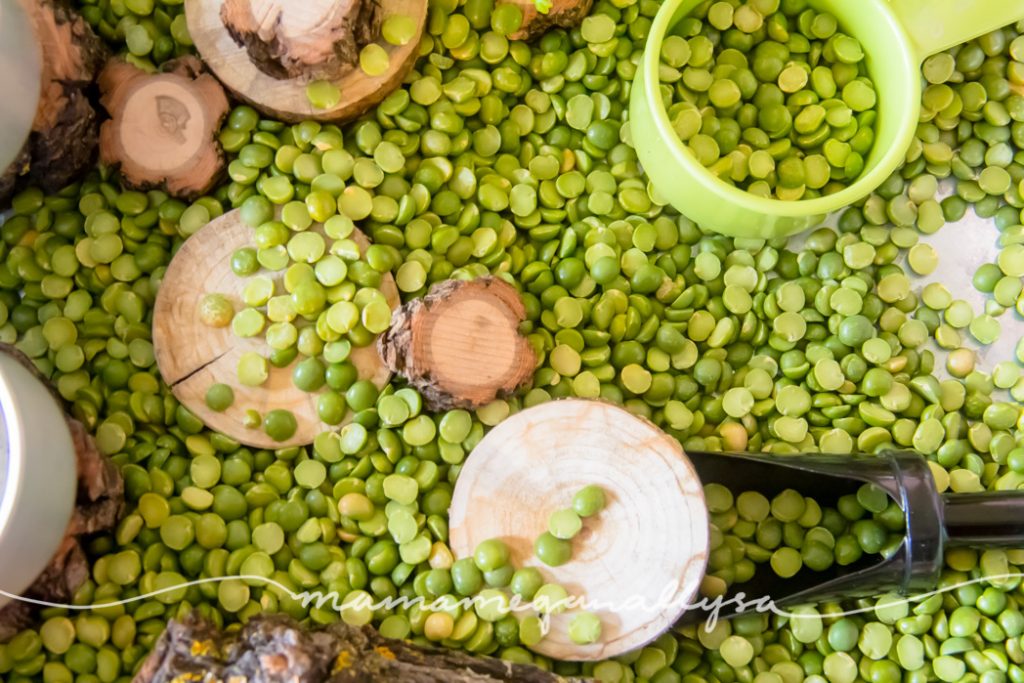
(650, 543)
(192, 356)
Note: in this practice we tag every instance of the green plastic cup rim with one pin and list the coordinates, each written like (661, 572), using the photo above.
(878, 168)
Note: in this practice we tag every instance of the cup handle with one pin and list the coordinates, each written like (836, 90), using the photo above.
(937, 25)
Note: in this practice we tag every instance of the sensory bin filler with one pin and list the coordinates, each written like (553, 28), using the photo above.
(502, 340)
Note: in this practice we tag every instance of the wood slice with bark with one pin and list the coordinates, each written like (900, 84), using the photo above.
(163, 128)
(192, 356)
(98, 505)
(267, 51)
(563, 13)
(276, 649)
(637, 563)
(316, 39)
(62, 144)
(460, 345)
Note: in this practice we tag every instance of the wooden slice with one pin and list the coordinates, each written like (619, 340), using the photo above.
(313, 39)
(645, 553)
(192, 356)
(564, 13)
(62, 144)
(286, 98)
(460, 344)
(163, 127)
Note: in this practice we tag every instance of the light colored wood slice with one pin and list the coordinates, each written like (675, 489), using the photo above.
(286, 98)
(192, 356)
(648, 547)
(313, 39)
(564, 13)
(163, 128)
(460, 344)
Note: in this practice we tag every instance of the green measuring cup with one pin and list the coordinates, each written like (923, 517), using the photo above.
(896, 35)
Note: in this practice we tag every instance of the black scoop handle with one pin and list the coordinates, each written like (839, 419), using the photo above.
(934, 521)
(984, 519)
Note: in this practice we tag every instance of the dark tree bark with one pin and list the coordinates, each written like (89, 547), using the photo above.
(276, 649)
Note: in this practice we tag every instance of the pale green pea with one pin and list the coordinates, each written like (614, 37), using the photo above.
(959, 314)
(253, 369)
(875, 640)
(936, 296)
(531, 631)
(401, 488)
(738, 402)
(551, 598)
(839, 667)
(566, 361)
(985, 329)
(910, 652)
(948, 669)
(398, 29)
(585, 628)
(736, 651)
(323, 94)
(806, 624)
(923, 259)
(564, 524)
(374, 60)
(636, 378)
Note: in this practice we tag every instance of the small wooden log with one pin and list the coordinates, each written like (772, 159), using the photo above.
(65, 130)
(563, 13)
(641, 559)
(163, 127)
(283, 95)
(460, 345)
(276, 649)
(315, 39)
(192, 356)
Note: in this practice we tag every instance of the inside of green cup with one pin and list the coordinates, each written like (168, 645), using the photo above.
(890, 61)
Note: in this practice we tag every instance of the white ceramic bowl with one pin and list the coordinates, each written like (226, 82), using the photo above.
(38, 476)
(20, 78)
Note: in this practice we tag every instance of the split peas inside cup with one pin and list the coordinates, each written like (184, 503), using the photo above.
(897, 35)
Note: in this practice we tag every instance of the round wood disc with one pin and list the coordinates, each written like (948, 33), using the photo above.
(460, 345)
(192, 356)
(163, 127)
(175, 107)
(286, 98)
(644, 554)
